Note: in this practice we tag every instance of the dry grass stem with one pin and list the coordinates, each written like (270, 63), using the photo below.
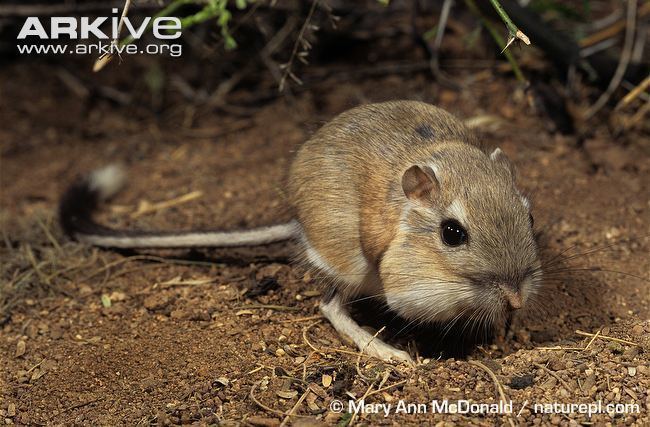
(605, 337)
(146, 207)
(497, 383)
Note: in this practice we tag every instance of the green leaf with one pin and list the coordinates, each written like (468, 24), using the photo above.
(106, 301)
(229, 42)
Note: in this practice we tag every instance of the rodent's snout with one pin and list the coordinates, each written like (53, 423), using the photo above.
(515, 293)
(512, 295)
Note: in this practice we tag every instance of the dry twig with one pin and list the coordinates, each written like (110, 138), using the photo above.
(634, 93)
(366, 394)
(622, 63)
(301, 39)
(305, 331)
(295, 407)
(605, 337)
(146, 207)
(497, 383)
(268, 307)
(302, 319)
(591, 341)
(362, 352)
(553, 374)
(379, 390)
(560, 348)
(612, 30)
(106, 57)
(266, 408)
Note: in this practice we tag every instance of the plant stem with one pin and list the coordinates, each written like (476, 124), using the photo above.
(513, 31)
(497, 38)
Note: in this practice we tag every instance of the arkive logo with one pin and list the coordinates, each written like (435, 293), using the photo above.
(73, 28)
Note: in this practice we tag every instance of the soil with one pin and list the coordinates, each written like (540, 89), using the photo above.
(90, 336)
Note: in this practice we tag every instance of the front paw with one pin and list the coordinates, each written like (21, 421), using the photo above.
(386, 352)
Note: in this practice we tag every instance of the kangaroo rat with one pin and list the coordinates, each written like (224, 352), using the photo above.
(393, 200)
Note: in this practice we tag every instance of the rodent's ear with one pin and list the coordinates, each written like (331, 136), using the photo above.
(418, 182)
(500, 157)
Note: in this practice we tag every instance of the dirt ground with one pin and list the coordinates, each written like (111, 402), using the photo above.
(90, 336)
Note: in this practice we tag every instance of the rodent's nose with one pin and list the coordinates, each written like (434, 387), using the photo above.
(513, 296)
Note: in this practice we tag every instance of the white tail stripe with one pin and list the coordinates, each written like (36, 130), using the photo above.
(254, 237)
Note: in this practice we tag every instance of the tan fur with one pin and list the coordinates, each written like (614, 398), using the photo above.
(346, 188)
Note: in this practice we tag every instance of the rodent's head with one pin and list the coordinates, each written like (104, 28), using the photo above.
(465, 247)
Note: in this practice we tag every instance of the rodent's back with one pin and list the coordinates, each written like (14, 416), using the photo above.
(344, 182)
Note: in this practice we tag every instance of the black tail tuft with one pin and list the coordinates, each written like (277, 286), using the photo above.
(77, 207)
(82, 199)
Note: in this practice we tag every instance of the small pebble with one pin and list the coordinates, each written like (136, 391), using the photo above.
(326, 380)
(637, 330)
(521, 382)
(20, 348)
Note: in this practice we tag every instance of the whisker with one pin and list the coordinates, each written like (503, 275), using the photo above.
(593, 269)
(558, 258)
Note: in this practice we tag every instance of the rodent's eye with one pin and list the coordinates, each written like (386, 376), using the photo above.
(452, 233)
(531, 220)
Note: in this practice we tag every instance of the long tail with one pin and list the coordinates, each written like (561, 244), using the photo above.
(83, 198)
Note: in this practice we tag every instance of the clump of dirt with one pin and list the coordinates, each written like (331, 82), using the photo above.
(95, 337)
